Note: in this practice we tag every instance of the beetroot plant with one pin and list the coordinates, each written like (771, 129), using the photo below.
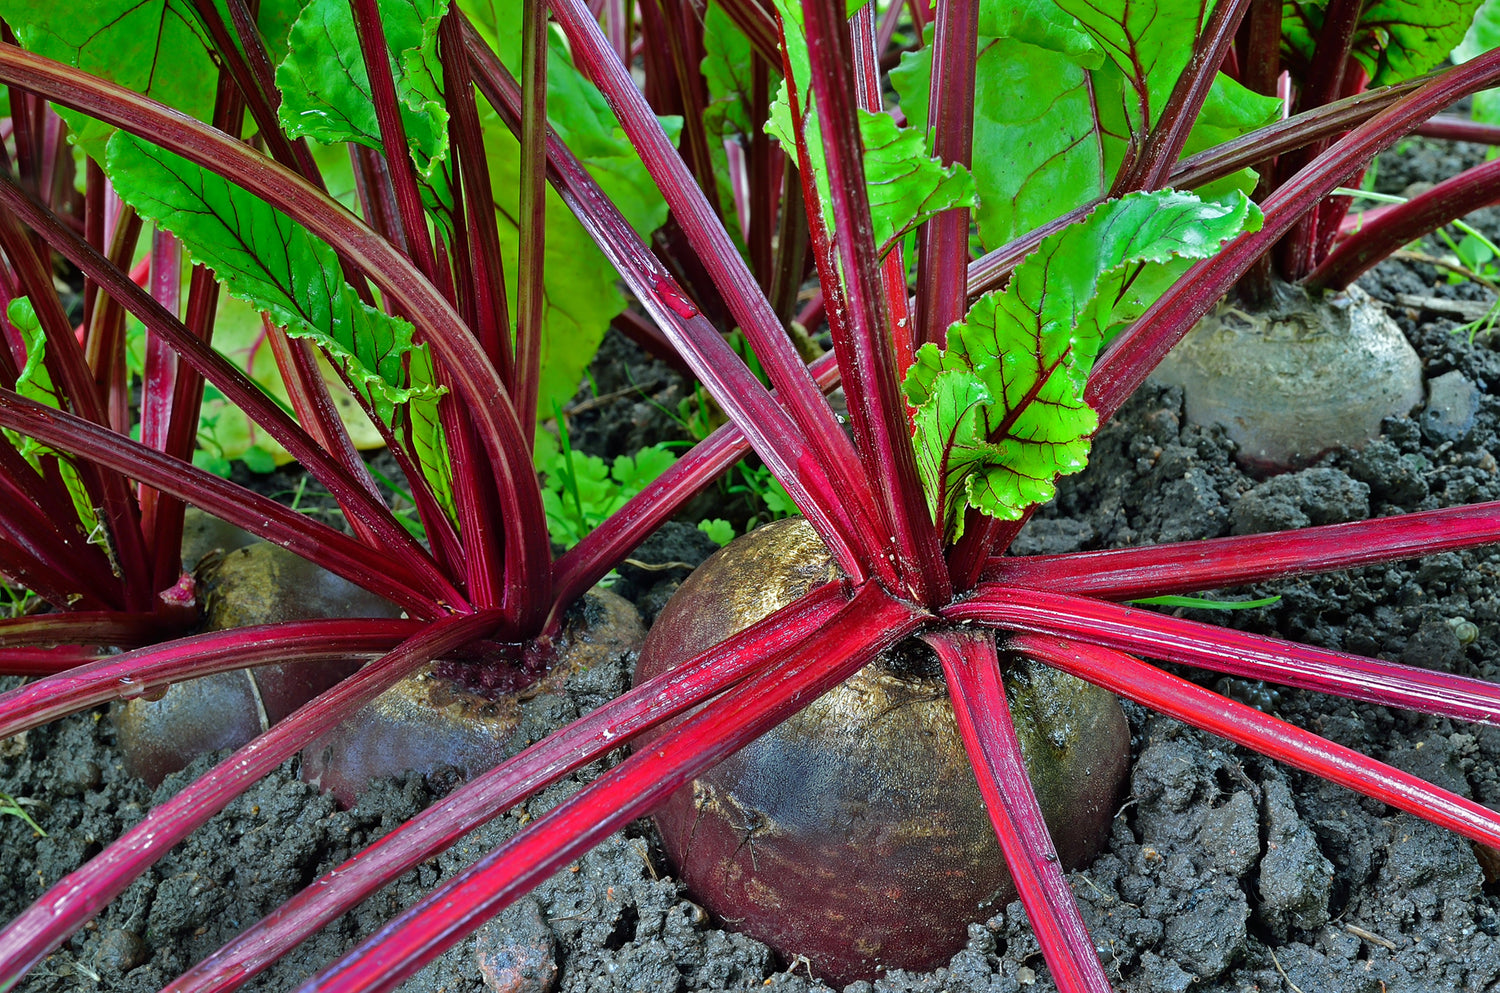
(1068, 134)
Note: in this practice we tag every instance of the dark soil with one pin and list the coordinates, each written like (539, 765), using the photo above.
(1224, 871)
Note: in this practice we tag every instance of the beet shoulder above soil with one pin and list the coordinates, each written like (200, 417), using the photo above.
(1224, 872)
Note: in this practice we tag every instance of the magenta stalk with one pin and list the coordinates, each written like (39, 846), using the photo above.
(985, 723)
(1146, 632)
(431, 831)
(866, 625)
(151, 670)
(84, 892)
(1244, 725)
(1194, 566)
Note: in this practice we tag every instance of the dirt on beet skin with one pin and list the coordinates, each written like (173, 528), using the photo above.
(1223, 872)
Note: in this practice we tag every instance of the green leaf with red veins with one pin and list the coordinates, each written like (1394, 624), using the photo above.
(726, 71)
(907, 186)
(33, 382)
(1394, 39)
(1148, 42)
(1034, 103)
(326, 92)
(1041, 23)
(155, 47)
(1146, 47)
(1000, 413)
(271, 262)
(1068, 112)
(952, 439)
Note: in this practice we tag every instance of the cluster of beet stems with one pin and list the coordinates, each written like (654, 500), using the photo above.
(493, 577)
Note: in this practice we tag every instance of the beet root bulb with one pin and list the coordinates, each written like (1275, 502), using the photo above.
(256, 584)
(854, 833)
(449, 723)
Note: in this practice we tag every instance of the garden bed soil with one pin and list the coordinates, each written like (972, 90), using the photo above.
(1224, 871)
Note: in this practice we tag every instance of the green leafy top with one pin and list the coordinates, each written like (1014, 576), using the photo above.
(34, 383)
(268, 260)
(726, 73)
(159, 47)
(1394, 39)
(326, 91)
(155, 47)
(906, 185)
(1068, 88)
(1483, 36)
(1000, 413)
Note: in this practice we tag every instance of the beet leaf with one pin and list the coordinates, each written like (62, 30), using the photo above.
(1000, 412)
(906, 184)
(1484, 35)
(326, 93)
(1394, 40)
(270, 261)
(35, 383)
(728, 78)
(1070, 102)
(424, 430)
(156, 47)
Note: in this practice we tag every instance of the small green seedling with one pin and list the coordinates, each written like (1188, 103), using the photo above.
(720, 530)
(580, 490)
(16, 807)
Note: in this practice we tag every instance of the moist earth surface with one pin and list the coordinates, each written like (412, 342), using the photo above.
(1223, 870)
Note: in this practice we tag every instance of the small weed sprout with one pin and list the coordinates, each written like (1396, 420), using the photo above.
(11, 806)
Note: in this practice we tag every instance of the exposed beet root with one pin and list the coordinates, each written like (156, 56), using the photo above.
(159, 737)
(1295, 378)
(259, 584)
(854, 833)
(454, 724)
